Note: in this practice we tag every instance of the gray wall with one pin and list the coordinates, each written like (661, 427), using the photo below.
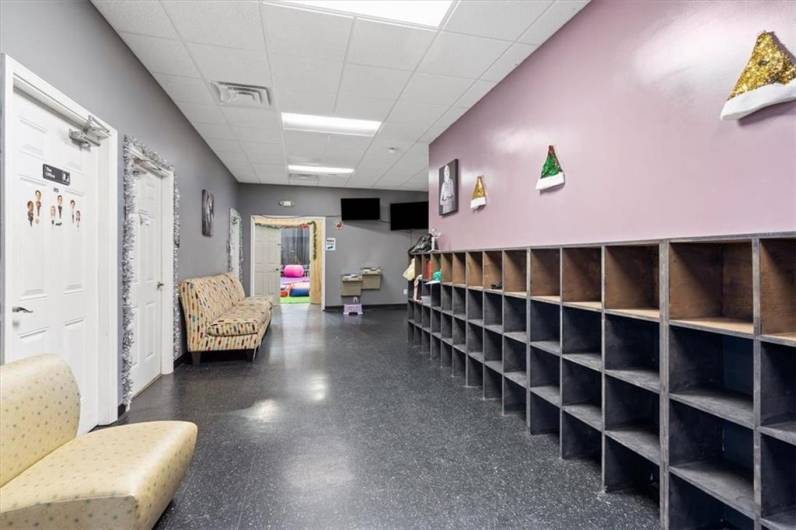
(69, 44)
(358, 243)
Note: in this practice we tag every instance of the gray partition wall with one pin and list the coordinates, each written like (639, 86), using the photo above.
(671, 363)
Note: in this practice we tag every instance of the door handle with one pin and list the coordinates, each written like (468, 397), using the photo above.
(160, 285)
(19, 309)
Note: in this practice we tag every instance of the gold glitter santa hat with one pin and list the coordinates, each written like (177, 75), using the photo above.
(479, 194)
(769, 78)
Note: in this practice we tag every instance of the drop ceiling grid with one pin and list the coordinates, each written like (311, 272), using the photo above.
(185, 48)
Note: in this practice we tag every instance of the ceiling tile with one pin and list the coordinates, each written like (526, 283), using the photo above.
(417, 182)
(441, 125)
(461, 55)
(310, 34)
(233, 66)
(332, 181)
(308, 146)
(301, 74)
(202, 113)
(270, 172)
(161, 55)
(370, 81)
(305, 102)
(263, 152)
(401, 136)
(388, 45)
(228, 146)
(187, 89)
(478, 90)
(552, 20)
(214, 131)
(258, 133)
(229, 23)
(435, 89)
(498, 19)
(145, 18)
(418, 115)
(509, 61)
(248, 178)
(252, 117)
(362, 108)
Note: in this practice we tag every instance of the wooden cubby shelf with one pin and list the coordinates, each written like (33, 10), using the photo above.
(670, 363)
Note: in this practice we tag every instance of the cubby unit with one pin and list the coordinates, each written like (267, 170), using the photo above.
(690, 507)
(626, 470)
(475, 342)
(458, 362)
(436, 322)
(447, 299)
(458, 334)
(543, 416)
(581, 337)
(778, 391)
(426, 318)
(493, 381)
(545, 277)
(514, 397)
(475, 307)
(425, 342)
(435, 264)
(475, 269)
(581, 282)
(515, 273)
(514, 354)
(493, 312)
(435, 352)
(493, 270)
(710, 286)
(712, 372)
(632, 280)
(545, 324)
(474, 375)
(632, 351)
(778, 483)
(580, 439)
(493, 351)
(714, 455)
(459, 302)
(778, 289)
(632, 418)
(446, 328)
(515, 319)
(581, 393)
(544, 374)
(445, 354)
(447, 267)
(436, 294)
(458, 275)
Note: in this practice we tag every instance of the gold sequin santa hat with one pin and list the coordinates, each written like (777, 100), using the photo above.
(478, 199)
(769, 78)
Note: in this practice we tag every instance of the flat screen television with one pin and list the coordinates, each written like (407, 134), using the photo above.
(409, 215)
(360, 209)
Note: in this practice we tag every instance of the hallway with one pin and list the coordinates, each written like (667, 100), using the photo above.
(336, 425)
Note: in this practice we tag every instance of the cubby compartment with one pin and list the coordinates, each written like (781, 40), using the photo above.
(581, 284)
(447, 267)
(436, 294)
(580, 439)
(545, 323)
(712, 372)
(436, 321)
(493, 270)
(425, 342)
(459, 333)
(626, 470)
(514, 396)
(710, 286)
(514, 362)
(447, 299)
(446, 353)
(459, 302)
(714, 455)
(632, 418)
(493, 381)
(435, 262)
(475, 342)
(458, 273)
(435, 352)
(632, 280)
(475, 269)
(581, 337)
(778, 391)
(475, 307)
(543, 416)
(459, 363)
(778, 483)
(426, 318)
(581, 393)
(446, 326)
(778, 289)
(632, 351)
(690, 507)
(515, 273)
(546, 274)
(545, 375)
(515, 319)
(493, 312)
(493, 351)
(475, 372)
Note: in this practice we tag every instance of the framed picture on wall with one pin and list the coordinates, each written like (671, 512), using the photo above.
(449, 188)
(208, 205)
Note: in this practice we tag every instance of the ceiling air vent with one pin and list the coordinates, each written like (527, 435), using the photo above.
(303, 178)
(237, 95)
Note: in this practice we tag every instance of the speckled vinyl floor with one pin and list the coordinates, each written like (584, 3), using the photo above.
(337, 425)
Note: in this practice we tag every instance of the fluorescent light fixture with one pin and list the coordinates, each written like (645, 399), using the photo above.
(329, 124)
(319, 170)
(420, 12)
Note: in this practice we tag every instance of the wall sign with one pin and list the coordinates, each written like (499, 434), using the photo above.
(55, 175)
(331, 244)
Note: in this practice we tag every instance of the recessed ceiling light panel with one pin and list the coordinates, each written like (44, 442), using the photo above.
(329, 124)
(420, 12)
(318, 170)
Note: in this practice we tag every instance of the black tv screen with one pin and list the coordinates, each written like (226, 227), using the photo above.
(409, 215)
(360, 209)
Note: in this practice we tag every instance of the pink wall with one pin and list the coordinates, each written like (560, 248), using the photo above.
(629, 92)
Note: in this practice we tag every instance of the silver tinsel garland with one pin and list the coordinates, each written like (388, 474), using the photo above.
(128, 265)
(234, 217)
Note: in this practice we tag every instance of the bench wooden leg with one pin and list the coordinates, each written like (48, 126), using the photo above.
(196, 358)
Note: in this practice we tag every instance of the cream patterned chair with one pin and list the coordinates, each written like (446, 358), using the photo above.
(120, 477)
(218, 316)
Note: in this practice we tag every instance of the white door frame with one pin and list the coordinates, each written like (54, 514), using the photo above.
(167, 255)
(17, 76)
(322, 235)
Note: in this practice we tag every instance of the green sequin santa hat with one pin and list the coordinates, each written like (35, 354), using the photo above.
(552, 174)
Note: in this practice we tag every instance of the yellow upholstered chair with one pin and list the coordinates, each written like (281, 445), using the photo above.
(120, 477)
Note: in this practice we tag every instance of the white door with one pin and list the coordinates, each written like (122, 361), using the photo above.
(267, 261)
(52, 242)
(147, 285)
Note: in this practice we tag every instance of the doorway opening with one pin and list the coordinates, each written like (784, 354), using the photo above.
(287, 259)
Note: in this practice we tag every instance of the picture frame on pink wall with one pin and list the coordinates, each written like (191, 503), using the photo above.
(448, 198)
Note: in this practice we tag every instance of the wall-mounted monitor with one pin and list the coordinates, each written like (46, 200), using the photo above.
(360, 209)
(409, 215)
